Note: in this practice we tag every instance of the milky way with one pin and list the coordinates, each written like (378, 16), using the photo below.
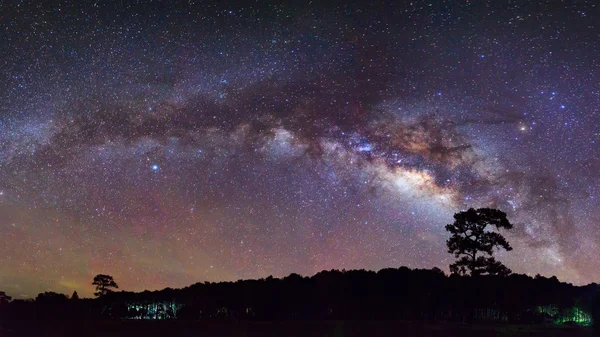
(177, 142)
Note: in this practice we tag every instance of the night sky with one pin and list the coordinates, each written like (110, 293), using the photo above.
(168, 143)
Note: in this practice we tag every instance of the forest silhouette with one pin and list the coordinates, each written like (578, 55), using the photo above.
(479, 289)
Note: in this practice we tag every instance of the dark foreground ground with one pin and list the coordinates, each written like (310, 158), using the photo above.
(287, 328)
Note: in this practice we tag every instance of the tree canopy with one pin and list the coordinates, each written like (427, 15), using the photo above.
(4, 298)
(473, 243)
(104, 284)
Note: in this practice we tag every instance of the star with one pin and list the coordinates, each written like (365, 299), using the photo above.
(162, 147)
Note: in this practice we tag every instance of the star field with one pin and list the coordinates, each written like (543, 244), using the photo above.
(167, 143)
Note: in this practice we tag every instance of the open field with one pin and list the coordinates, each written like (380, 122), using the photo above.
(289, 328)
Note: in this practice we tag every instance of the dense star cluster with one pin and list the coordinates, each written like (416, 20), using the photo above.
(166, 143)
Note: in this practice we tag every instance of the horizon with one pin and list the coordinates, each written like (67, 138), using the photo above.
(175, 142)
(82, 294)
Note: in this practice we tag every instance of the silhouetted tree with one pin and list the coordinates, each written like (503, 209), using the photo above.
(389, 294)
(470, 241)
(50, 297)
(4, 298)
(75, 296)
(104, 284)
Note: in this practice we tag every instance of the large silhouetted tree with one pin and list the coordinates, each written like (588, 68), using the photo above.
(104, 284)
(473, 243)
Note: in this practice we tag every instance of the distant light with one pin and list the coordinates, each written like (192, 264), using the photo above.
(562, 107)
(154, 167)
(365, 148)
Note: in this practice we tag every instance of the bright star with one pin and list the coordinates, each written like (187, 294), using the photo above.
(154, 167)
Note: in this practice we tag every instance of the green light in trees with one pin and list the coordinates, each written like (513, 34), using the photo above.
(575, 314)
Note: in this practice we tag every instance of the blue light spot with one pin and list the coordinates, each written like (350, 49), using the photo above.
(365, 147)
(154, 167)
(562, 106)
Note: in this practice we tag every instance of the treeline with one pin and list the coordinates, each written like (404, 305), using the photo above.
(341, 295)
